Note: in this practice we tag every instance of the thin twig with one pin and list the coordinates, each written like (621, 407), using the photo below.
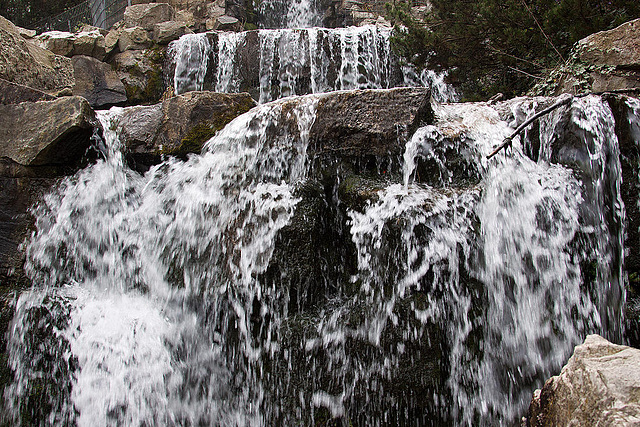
(525, 73)
(507, 141)
(560, 102)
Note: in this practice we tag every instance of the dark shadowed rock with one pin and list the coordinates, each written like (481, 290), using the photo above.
(141, 73)
(179, 125)
(13, 93)
(369, 122)
(599, 386)
(24, 63)
(47, 132)
(97, 82)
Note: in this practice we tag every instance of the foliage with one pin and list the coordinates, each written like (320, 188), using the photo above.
(494, 46)
(25, 13)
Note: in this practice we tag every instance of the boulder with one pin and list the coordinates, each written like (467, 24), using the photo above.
(599, 386)
(26, 64)
(604, 61)
(227, 23)
(148, 15)
(13, 93)
(141, 73)
(134, 38)
(619, 47)
(186, 17)
(369, 122)
(179, 125)
(50, 133)
(97, 82)
(58, 42)
(166, 32)
(89, 43)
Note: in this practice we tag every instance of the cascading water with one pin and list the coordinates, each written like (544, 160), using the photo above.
(474, 279)
(289, 14)
(296, 62)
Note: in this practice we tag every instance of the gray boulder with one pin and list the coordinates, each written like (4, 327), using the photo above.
(134, 38)
(148, 15)
(97, 82)
(89, 43)
(599, 386)
(178, 126)
(49, 133)
(141, 73)
(166, 32)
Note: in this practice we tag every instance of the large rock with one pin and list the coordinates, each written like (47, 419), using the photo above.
(166, 32)
(49, 133)
(179, 125)
(97, 82)
(599, 386)
(369, 122)
(89, 43)
(148, 15)
(604, 61)
(26, 64)
(134, 38)
(618, 48)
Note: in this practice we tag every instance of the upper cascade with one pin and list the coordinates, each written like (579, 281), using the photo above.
(289, 14)
(272, 64)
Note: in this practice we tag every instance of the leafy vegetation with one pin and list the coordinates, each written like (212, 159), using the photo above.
(494, 46)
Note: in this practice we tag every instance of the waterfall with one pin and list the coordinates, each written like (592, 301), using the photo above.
(473, 279)
(141, 281)
(296, 62)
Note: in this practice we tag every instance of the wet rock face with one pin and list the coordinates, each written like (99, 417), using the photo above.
(369, 122)
(599, 386)
(26, 64)
(141, 73)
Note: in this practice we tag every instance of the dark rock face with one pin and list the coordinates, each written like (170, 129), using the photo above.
(597, 387)
(97, 82)
(178, 126)
(141, 73)
(369, 122)
(13, 93)
(49, 132)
